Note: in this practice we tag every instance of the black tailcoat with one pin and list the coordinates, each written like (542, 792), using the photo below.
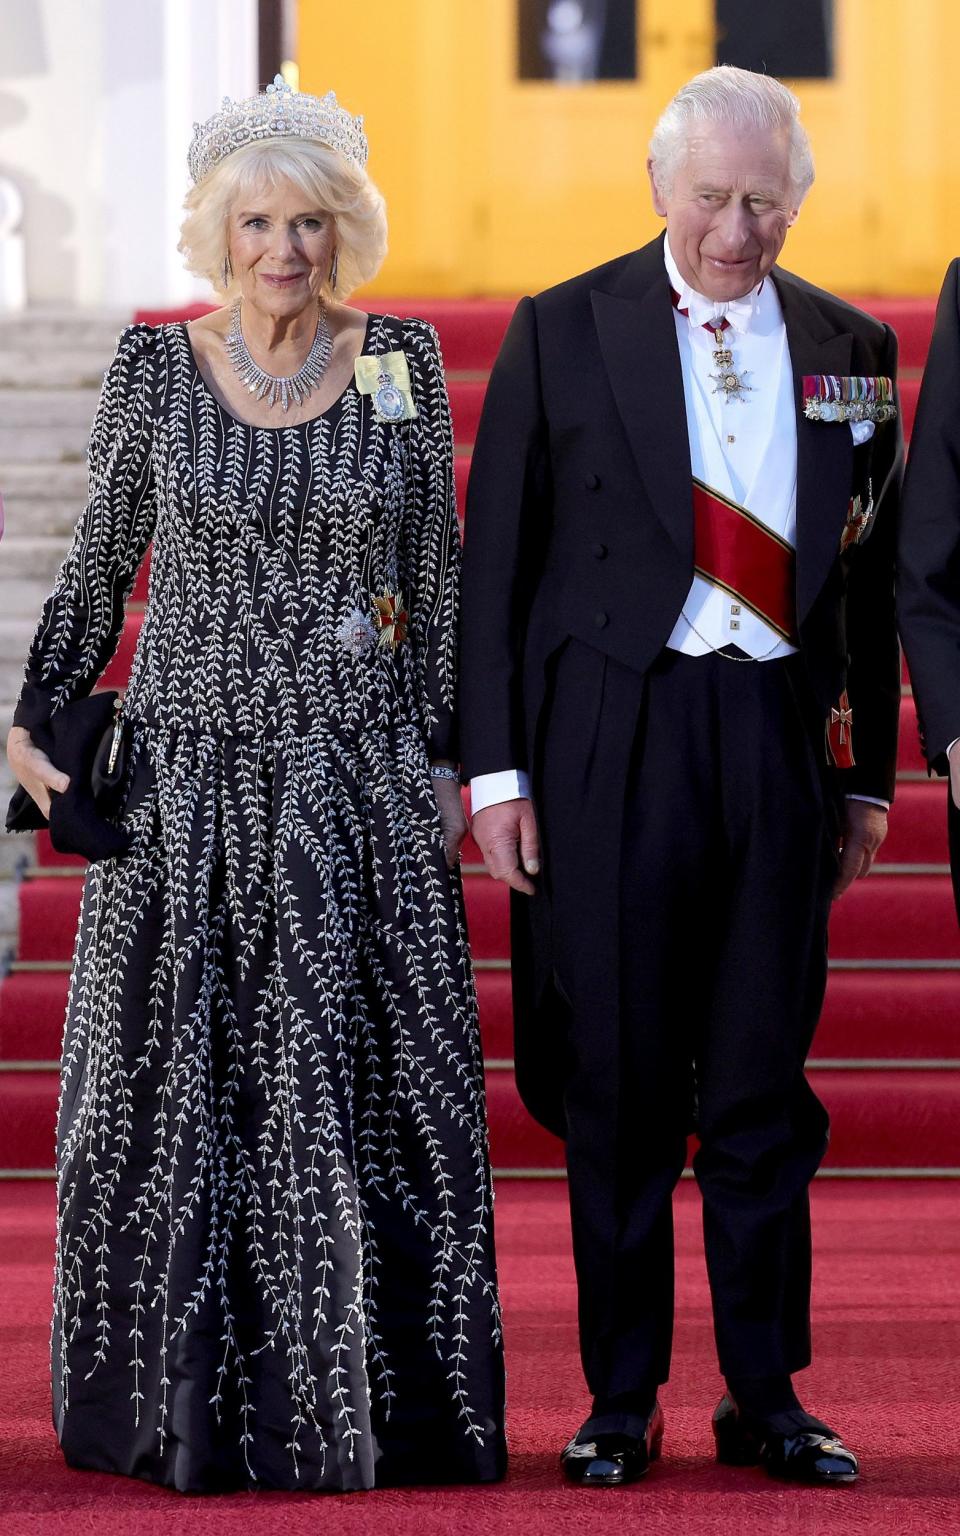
(928, 559)
(580, 524)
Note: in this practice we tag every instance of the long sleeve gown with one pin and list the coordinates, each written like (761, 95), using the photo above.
(274, 1258)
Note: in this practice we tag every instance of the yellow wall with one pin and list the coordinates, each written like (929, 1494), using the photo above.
(499, 187)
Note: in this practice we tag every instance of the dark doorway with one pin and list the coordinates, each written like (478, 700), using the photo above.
(576, 41)
(792, 39)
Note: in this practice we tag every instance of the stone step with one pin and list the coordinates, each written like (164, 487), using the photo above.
(7, 783)
(30, 518)
(39, 409)
(11, 681)
(9, 915)
(42, 444)
(53, 370)
(54, 330)
(16, 853)
(30, 560)
(6, 777)
(15, 636)
(43, 482)
(24, 599)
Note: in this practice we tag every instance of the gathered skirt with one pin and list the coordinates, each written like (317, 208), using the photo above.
(275, 1261)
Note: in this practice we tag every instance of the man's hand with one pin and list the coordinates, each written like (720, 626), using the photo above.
(953, 757)
(864, 829)
(33, 769)
(507, 836)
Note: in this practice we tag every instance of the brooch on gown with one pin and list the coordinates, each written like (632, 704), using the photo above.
(357, 634)
(387, 627)
(393, 620)
(387, 380)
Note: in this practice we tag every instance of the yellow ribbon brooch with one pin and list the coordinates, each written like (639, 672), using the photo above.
(387, 380)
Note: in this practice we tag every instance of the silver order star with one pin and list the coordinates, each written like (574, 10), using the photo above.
(357, 633)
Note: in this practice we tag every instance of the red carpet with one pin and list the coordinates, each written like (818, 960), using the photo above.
(887, 1339)
(886, 1059)
(887, 1316)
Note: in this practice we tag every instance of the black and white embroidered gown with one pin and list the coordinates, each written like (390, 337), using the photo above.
(275, 1261)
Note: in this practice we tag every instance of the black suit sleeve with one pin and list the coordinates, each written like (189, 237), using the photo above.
(873, 675)
(507, 523)
(928, 555)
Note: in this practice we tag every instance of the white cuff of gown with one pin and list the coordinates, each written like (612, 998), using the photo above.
(871, 800)
(494, 788)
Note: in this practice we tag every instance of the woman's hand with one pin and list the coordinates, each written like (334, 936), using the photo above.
(33, 768)
(453, 822)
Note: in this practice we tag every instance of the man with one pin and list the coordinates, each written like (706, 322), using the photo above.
(928, 589)
(680, 669)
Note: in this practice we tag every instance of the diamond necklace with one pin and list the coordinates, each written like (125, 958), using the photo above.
(296, 386)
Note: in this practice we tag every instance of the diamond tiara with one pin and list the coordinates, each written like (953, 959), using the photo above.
(279, 112)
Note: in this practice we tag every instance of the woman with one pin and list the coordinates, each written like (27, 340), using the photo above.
(275, 1256)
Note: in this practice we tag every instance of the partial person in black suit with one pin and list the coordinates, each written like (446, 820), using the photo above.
(680, 680)
(928, 586)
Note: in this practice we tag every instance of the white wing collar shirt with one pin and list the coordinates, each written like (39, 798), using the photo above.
(745, 449)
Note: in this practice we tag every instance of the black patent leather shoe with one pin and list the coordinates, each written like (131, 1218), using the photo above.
(613, 1449)
(792, 1446)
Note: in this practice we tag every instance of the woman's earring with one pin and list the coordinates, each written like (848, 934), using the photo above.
(334, 271)
(226, 272)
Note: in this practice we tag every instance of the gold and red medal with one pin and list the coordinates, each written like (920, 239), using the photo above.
(392, 620)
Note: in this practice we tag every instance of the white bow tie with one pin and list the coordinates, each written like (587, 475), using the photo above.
(704, 311)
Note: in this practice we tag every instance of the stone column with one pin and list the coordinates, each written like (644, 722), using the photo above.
(97, 103)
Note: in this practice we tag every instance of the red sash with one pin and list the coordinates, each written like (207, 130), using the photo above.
(736, 552)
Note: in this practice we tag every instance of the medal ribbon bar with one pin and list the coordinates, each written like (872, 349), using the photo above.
(855, 397)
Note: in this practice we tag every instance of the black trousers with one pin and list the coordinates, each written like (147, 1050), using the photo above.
(690, 850)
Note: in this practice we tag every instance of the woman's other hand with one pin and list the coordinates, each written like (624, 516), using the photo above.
(33, 768)
(453, 822)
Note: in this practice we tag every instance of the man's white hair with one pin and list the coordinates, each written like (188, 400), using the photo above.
(738, 97)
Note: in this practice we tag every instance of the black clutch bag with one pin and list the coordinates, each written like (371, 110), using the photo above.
(88, 741)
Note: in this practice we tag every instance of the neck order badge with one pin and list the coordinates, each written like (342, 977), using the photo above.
(728, 381)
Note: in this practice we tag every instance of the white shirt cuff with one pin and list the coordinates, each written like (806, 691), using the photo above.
(952, 745)
(514, 784)
(494, 788)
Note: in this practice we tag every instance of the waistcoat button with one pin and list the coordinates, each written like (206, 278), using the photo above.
(592, 482)
(600, 620)
(599, 551)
